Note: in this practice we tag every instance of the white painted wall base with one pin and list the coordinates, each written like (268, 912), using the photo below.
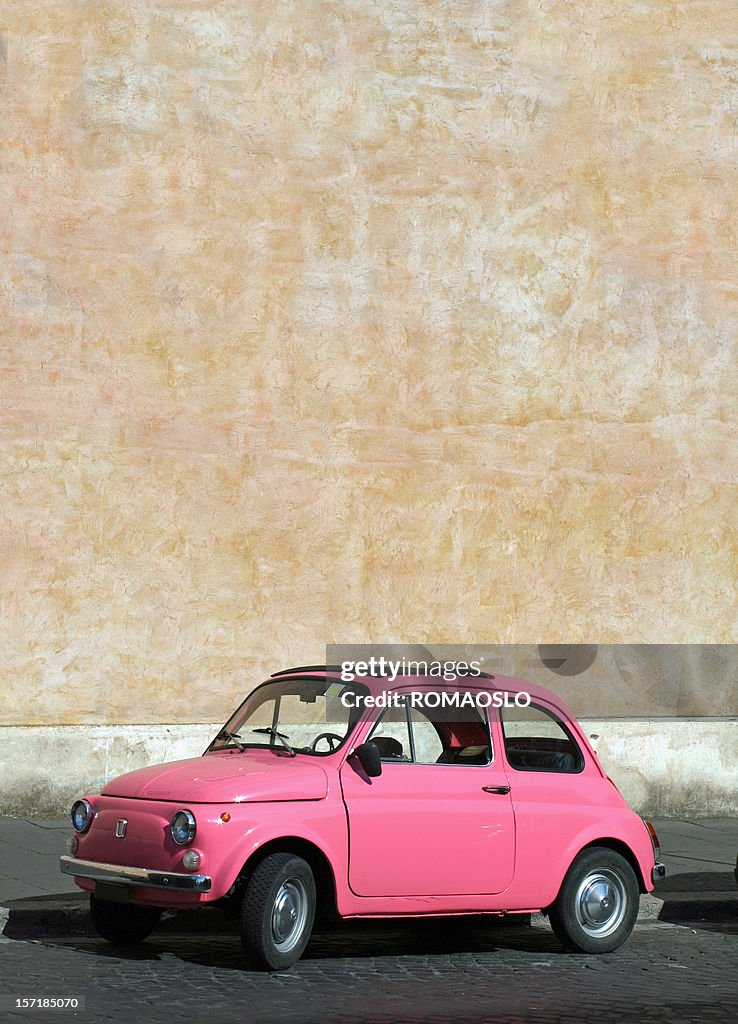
(663, 767)
(677, 767)
(43, 769)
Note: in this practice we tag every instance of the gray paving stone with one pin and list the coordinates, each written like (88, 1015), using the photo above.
(377, 972)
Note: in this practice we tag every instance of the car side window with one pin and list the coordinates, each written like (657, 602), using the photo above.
(440, 735)
(427, 742)
(536, 740)
(448, 735)
(391, 734)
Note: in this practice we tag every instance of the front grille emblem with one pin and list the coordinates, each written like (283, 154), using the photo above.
(120, 828)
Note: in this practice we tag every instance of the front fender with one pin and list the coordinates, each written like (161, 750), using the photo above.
(321, 823)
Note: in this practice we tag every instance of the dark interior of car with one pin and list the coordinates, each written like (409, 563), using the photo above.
(536, 753)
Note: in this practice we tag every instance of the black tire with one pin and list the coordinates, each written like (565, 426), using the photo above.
(597, 905)
(278, 912)
(123, 923)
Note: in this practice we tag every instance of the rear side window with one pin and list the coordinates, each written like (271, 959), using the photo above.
(536, 740)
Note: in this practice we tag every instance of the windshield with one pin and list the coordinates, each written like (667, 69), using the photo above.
(294, 716)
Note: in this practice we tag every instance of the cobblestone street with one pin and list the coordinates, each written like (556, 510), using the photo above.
(436, 971)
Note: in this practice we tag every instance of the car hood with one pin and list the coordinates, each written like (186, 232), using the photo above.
(225, 778)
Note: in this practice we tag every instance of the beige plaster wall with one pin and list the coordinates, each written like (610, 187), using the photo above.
(358, 321)
(630, 680)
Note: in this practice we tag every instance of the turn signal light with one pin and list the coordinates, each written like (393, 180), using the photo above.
(225, 816)
(191, 860)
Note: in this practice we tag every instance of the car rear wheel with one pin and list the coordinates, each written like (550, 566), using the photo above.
(278, 911)
(123, 923)
(597, 905)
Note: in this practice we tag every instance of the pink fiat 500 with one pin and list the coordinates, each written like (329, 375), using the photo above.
(371, 799)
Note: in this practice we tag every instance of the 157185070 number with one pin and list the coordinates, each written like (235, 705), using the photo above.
(42, 1002)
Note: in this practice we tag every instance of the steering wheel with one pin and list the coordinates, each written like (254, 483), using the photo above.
(330, 736)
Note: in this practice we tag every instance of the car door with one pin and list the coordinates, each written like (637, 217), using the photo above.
(438, 821)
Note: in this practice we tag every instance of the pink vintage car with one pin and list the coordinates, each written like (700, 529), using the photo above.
(371, 799)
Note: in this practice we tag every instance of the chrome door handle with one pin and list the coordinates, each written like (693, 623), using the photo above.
(501, 790)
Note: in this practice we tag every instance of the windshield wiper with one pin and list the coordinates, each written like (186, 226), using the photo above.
(279, 736)
(225, 735)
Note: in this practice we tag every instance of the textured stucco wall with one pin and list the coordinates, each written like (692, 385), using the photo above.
(684, 681)
(358, 321)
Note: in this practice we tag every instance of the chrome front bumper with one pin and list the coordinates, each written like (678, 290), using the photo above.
(168, 880)
(658, 872)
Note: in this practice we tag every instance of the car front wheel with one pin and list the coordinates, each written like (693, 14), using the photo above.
(123, 923)
(597, 905)
(278, 911)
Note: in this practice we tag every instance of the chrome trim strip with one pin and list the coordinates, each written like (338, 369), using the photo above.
(170, 881)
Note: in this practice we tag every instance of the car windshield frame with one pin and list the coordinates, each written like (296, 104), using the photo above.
(289, 686)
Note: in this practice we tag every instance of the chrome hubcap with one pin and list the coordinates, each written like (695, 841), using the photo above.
(601, 902)
(289, 914)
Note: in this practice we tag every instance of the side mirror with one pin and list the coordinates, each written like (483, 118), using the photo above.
(367, 754)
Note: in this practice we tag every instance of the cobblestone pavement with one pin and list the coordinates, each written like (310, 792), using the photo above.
(437, 971)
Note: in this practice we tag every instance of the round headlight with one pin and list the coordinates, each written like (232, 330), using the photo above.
(82, 815)
(183, 827)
